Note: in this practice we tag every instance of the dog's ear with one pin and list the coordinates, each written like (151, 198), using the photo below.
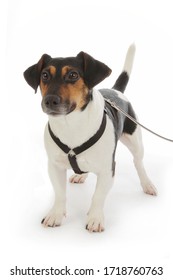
(32, 74)
(94, 70)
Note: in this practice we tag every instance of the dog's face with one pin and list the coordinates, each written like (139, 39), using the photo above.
(66, 83)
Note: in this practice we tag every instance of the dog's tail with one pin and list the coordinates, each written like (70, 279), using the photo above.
(123, 78)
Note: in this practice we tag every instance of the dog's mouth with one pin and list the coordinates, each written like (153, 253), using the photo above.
(61, 109)
(54, 114)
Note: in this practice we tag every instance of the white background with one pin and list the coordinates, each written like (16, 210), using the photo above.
(138, 227)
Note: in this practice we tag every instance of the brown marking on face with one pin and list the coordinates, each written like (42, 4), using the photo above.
(75, 93)
(44, 88)
(64, 70)
(52, 70)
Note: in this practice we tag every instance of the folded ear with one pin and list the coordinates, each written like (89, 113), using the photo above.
(94, 70)
(32, 74)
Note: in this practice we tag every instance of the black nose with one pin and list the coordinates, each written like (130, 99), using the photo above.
(52, 101)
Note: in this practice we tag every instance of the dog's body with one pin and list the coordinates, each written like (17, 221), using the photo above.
(76, 112)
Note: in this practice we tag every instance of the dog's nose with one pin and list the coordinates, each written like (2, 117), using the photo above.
(52, 101)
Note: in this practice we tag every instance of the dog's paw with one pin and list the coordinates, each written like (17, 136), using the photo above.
(78, 179)
(53, 218)
(95, 223)
(149, 188)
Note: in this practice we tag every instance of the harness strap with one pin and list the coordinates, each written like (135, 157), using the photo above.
(63, 147)
(72, 153)
(74, 164)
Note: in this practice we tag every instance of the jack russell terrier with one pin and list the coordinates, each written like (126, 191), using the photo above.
(83, 128)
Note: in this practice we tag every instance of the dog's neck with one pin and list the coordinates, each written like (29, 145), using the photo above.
(78, 126)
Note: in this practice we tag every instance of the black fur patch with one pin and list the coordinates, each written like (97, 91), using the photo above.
(129, 126)
(121, 82)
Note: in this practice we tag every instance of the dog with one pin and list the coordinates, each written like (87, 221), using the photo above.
(83, 130)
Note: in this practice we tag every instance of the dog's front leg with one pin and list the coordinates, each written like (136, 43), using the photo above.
(95, 221)
(58, 211)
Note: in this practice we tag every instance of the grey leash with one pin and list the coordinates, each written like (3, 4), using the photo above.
(114, 105)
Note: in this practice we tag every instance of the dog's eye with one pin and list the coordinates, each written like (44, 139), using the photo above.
(45, 76)
(73, 76)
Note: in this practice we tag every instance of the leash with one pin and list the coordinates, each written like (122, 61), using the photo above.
(114, 105)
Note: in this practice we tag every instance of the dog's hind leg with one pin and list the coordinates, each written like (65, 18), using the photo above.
(135, 146)
(78, 178)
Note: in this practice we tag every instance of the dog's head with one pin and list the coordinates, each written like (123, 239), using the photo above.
(66, 83)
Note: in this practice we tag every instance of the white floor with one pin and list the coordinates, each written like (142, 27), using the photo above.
(138, 227)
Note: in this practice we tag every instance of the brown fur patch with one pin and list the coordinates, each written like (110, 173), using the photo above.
(64, 70)
(43, 88)
(52, 70)
(75, 93)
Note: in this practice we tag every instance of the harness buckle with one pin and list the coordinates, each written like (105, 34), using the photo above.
(71, 153)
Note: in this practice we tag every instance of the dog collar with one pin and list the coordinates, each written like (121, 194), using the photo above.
(72, 153)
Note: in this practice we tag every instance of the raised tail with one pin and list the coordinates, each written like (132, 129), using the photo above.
(123, 78)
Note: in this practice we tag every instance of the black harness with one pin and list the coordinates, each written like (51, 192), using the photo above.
(72, 153)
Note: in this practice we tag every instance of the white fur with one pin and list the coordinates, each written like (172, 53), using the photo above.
(73, 130)
(129, 59)
(134, 144)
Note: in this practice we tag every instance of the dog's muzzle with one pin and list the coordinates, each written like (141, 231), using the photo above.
(52, 102)
(53, 105)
